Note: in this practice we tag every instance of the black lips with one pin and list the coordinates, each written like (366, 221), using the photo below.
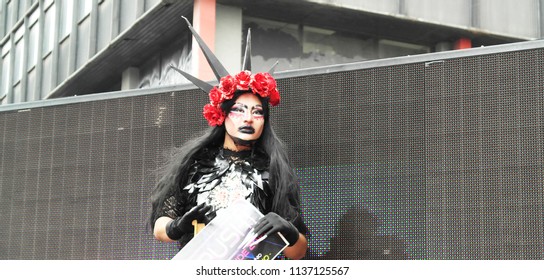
(246, 129)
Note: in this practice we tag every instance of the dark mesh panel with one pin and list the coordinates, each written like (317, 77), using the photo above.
(484, 155)
(357, 140)
(438, 160)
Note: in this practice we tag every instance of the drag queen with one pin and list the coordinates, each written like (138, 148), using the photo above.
(239, 156)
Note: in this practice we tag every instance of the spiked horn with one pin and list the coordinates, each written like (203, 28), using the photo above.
(218, 69)
(196, 81)
(246, 65)
(273, 68)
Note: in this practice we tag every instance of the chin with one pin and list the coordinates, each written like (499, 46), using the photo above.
(248, 138)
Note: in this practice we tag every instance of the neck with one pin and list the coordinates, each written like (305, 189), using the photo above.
(237, 148)
(237, 144)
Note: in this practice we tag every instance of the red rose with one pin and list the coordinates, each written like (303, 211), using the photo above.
(259, 84)
(227, 86)
(274, 97)
(271, 81)
(214, 115)
(216, 96)
(243, 78)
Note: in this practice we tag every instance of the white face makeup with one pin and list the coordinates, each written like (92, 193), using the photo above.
(245, 122)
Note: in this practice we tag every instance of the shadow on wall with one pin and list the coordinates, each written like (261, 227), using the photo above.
(356, 238)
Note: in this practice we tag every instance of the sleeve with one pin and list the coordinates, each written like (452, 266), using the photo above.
(173, 208)
(177, 205)
(170, 208)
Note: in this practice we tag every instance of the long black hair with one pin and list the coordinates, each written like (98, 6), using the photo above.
(283, 180)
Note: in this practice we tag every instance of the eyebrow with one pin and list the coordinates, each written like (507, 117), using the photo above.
(257, 106)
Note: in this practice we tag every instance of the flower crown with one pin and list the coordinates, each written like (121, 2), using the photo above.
(262, 84)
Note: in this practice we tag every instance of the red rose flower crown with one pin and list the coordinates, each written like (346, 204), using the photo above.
(262, 83)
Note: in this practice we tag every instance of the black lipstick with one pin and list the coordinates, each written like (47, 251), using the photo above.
(246, 129)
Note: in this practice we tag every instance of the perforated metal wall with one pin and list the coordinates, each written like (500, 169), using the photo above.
(484, 125)
(438, 159)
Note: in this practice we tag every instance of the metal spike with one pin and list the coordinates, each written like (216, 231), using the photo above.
(246, 65)
(273, 68)
(197, 82)
(218, 69)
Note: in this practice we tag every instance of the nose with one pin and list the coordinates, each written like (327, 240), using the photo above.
(248, 117)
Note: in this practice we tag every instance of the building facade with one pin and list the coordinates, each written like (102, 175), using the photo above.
(61, 48)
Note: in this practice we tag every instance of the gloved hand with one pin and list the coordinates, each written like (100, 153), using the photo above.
(181, 225)
(272, 223)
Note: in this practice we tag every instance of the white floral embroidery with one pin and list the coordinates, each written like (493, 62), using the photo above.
(233, 185)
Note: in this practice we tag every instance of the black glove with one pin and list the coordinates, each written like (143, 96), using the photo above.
(181, 225)
(272, 223)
